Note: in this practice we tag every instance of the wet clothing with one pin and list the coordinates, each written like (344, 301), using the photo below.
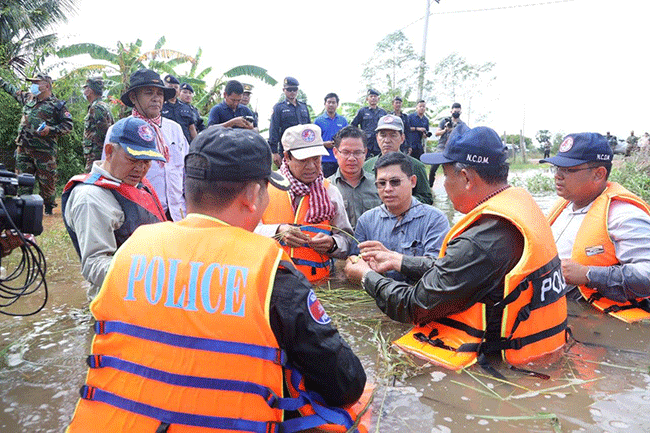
(419, 232)
(357, 199)
(415, 138)
(286, 115)
(99, 219)
(96, 123)
(222, 113)
(266, 303)
(472, 270)
(167, 178)
(180, 113)
(421, 191)
(627, 275)
(367, 119)
(36, 154)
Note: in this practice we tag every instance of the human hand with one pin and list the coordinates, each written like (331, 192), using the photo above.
(355, 268)
(321, 243)
(367, 246)
(292, 236)
(383, 261)
(240, 122)
(574, 273)
(8, 242)
(277, 159)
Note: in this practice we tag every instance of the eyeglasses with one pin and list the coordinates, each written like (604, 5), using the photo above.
(394, 182)
(564, 170)
(357, 153)
(291, 89)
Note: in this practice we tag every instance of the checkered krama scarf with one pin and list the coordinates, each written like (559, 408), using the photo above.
(155, 123)
(320, 205)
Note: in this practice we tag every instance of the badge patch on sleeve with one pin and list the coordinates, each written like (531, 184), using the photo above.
(316, 309)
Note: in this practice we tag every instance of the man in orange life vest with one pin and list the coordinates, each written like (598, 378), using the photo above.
(601, 229)
(103, 208)
(201, 321)
(499, 254)
(309, 219)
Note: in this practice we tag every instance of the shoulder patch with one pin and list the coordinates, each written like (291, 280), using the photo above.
(316, 309)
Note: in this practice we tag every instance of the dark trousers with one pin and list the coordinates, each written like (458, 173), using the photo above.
(432, 174)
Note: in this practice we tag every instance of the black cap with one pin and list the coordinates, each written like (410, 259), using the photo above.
(171, 80)
(290, 81)
(187, 86)
(146, 78)
(234, 155)
(373, 92)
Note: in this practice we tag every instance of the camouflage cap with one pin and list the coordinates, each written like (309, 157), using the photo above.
(96, 84)
(40, 77)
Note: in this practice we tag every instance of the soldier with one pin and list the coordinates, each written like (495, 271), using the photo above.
(96, 122)
(45, 118)
(178, 111)
(245, 101)
(186, 95)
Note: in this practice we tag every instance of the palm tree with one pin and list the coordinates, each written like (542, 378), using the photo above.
(22, 27)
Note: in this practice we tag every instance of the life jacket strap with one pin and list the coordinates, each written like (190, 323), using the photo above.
(277, 356)
(643, 304)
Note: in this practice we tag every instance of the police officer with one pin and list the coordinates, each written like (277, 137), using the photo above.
(96, 122)
(186, 94)
(367, 118)
(245, 101)
(178, 111)
(45, 118)
(287, 113)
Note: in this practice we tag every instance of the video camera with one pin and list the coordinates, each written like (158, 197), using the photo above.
(26, 211)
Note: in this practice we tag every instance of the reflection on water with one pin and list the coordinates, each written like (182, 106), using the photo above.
(600, 384)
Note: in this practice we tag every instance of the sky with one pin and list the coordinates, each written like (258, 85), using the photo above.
(566, 66)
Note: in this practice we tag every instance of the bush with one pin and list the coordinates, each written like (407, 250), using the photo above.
(634, 174)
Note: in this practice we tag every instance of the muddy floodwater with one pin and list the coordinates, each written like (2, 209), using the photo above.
(600, 383)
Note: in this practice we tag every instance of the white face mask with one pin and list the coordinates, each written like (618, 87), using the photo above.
(34, 89)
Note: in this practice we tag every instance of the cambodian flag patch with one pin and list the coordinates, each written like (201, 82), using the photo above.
(316, 309)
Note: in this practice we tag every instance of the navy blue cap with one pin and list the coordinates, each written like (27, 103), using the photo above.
(187, 86)
(171, 80)
(290, 82)
(373, 92)
(579, 148)
(137, 138)
(476, 146)
(234, 155)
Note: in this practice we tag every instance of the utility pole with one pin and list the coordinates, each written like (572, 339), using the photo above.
(424, 50)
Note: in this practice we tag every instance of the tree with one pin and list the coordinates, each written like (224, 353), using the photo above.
(456, 80)
(392, 68)
(22, 27)
(543, 136)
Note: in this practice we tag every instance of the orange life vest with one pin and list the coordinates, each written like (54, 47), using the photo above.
(184, 342)
(594, 247)
(534, 315)
(315, 266)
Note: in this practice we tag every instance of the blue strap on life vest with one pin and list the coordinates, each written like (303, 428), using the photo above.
(327, 263)
(314, 229)
(261, 352)
(271, 398)
(92, 178)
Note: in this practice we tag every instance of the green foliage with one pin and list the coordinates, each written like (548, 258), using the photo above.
(634, 174)
(70, 159)
(535, 184)
(10, 113)
(515, 138)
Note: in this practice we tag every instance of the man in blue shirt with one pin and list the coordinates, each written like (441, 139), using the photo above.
(330, 122)
(402, 224)
(418, 130)
(288, 113)
(367, 119)
(230, 113)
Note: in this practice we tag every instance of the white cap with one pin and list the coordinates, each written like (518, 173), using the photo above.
(304, 141)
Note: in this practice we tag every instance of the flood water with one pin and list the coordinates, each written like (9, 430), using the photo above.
(601, 384)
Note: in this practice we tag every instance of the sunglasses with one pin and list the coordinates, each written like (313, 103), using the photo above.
(291, 89)
(394, 182)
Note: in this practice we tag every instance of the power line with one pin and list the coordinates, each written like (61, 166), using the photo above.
(547, 3)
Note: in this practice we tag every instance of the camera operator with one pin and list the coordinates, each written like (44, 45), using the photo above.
(445, 127)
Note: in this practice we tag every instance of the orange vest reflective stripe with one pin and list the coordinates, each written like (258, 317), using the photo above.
(594, 247)
(316, 267)
(534, 306)
(184, 338)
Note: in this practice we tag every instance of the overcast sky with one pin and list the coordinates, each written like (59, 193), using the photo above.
(566, 66)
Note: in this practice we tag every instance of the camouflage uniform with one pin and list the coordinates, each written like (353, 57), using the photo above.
(96, 123)
(36, 154)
